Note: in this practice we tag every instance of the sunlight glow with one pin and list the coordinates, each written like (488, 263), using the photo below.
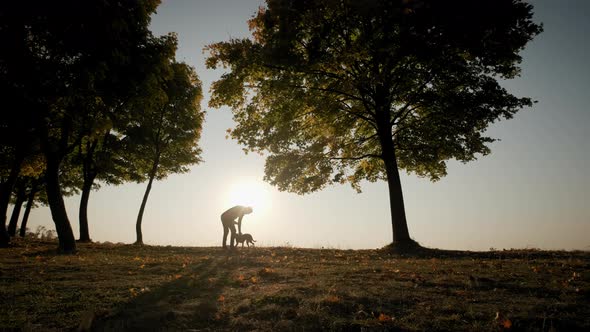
(249, 192)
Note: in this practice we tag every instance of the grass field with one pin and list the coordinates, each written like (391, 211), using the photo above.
(125, 287)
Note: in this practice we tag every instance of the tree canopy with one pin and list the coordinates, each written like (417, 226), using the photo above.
(343, 91)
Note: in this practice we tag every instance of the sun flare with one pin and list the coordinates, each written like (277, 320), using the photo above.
(250, 193)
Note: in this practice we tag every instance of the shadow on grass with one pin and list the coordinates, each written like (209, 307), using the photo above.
(189, 302)
(415, 250)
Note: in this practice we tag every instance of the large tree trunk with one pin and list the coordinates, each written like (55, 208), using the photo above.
(5, 192)
(67, 242)
(396, 201)
(20, 199)
(86, 188)
(399, 224)
(30, 201)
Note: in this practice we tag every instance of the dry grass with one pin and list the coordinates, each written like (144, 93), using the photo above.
(124, 287)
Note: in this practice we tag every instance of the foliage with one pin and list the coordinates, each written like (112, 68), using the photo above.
(68, 59)
(65, 69)
(319, 80)
(104, 152)
(163, 138)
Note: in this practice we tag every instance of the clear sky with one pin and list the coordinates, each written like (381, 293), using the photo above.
(532, 191)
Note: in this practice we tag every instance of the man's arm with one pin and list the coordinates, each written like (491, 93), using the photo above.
(240, 224)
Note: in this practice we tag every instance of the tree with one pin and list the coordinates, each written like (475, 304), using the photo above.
(340, 91)
(10, 161)
(97, 156)
(16, 158)
(102, 155)
(16, 125)
(61, 57)
(33, 190)
(31, 168)
(7, 181)
(164, 139)
(20, 196)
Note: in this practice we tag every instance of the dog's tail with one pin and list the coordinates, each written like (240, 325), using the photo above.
(253, 240)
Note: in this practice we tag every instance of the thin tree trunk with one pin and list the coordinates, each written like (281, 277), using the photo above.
(145, 198)
(67, 242)
(30, 201)
(20, 199)
(5, 192)
(89, 173)
(83, 215)
(139, 240)
(399, 223)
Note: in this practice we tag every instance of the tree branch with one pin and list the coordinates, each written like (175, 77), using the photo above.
(350, 111)
(361, 141)
(402, 118)
(315, 71)
(368, 155)
(403, 112)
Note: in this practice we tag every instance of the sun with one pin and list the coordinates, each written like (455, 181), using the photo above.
(249, 192)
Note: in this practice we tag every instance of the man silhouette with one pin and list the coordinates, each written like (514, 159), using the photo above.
(228, 221)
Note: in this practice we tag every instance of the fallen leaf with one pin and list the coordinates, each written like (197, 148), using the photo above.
(332, 299)
(503, 321)
(266, 270)
(385, 318)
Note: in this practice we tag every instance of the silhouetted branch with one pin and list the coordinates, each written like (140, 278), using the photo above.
(368, 155)
(350, 111)
(361, 141)
(401, 114)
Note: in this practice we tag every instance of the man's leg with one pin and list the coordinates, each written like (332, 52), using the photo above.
(225, 231)
(233, 236)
